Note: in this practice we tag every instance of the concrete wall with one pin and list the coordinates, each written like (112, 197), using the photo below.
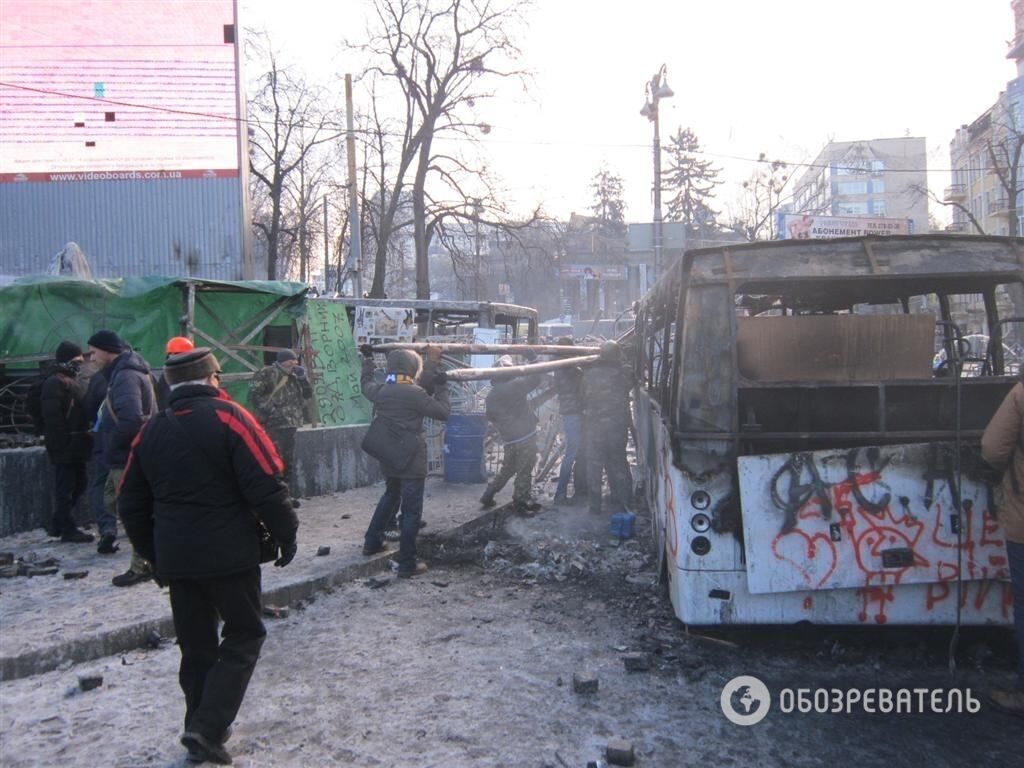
(327, 460)
(26, 489)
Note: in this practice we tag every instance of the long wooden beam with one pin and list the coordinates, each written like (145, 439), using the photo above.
(512, 371)
(490, 349)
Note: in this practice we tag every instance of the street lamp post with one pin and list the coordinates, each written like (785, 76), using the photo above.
(654, 91)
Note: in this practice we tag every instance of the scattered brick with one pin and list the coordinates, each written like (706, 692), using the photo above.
(88, 682)
(620, 752)
(584, 682)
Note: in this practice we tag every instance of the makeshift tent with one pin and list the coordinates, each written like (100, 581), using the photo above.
(242, 321)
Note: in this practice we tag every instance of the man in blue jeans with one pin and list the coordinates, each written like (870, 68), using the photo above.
(569, 386)
(1002, 447)
(412, 391)
(106, 520)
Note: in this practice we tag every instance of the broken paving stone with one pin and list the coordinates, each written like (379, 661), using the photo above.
(584, 682)
(153, 639)
(323, 551)
(637, 662)
(620, 752)
(376, 582)
(276, 611)
(88, 682)
(441, 584)
(49, 570)
(345, 517)
(70, 575)
(9, 571)
(6, 558)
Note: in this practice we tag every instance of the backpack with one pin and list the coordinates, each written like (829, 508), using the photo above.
(34, 404)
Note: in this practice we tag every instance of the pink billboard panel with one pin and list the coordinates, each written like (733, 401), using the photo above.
(118, 89)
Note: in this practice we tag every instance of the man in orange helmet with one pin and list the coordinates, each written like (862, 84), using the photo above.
(175, 346)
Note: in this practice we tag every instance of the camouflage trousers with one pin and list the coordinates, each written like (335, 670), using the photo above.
(139, 564)
(606, 455)
(519, 461)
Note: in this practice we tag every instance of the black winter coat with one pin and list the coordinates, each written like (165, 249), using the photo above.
(508, 409)
(407, 404)
(131, 400)
(65, 430)
(193, 483)
(569, 386)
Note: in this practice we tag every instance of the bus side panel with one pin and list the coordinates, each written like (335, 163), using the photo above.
(713, 598)
(711, 589)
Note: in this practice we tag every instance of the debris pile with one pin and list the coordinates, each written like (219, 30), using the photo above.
(28, 565)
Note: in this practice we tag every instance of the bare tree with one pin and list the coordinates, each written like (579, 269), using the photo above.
(760, 199)
(692, 179)
(445, 56)
(288, 121)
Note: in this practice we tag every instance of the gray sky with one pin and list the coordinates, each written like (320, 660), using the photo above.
(749, 76)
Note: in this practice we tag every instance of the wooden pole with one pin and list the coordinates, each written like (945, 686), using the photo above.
(513, 371)
(491, 349)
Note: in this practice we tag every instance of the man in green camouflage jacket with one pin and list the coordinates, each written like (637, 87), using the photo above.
(277, 395)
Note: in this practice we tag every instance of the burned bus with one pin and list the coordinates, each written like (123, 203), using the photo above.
(808, 455)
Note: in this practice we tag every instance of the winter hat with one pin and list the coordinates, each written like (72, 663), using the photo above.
(284, 355)
(67, 351)
(108, 341)
(505, 361)
(190, 366)
(404, 361)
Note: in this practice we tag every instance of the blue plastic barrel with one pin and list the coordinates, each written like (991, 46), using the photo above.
(464, 448)
(622, 525)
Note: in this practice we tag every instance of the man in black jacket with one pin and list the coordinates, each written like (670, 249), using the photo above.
(130, 402)
(198, 477)
(404, 399)
(508, 409)
(67, 439)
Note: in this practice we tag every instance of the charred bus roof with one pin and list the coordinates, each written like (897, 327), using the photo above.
(835, 273)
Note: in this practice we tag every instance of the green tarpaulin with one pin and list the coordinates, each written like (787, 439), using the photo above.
(37, 313)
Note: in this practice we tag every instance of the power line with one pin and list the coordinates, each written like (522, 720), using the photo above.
(764, 160)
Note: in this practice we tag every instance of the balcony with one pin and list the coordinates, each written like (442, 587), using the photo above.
(957, 227)
(955, 193)
(999, 207)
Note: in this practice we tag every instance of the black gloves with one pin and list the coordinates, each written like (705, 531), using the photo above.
(440, 379)
(299, 371)
(287, 554)
(366, 351)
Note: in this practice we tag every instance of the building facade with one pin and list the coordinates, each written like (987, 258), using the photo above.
(985, 157)
(883, 178)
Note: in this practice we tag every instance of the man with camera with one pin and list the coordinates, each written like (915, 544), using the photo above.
(277, 395)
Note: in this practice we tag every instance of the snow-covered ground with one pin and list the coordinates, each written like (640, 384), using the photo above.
(472, 665)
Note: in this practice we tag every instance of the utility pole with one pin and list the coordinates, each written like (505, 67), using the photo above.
(355, 237)
(327, 247)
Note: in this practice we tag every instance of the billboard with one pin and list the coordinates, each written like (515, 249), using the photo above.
(118, 90)
(592, 272)
(805, 226)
